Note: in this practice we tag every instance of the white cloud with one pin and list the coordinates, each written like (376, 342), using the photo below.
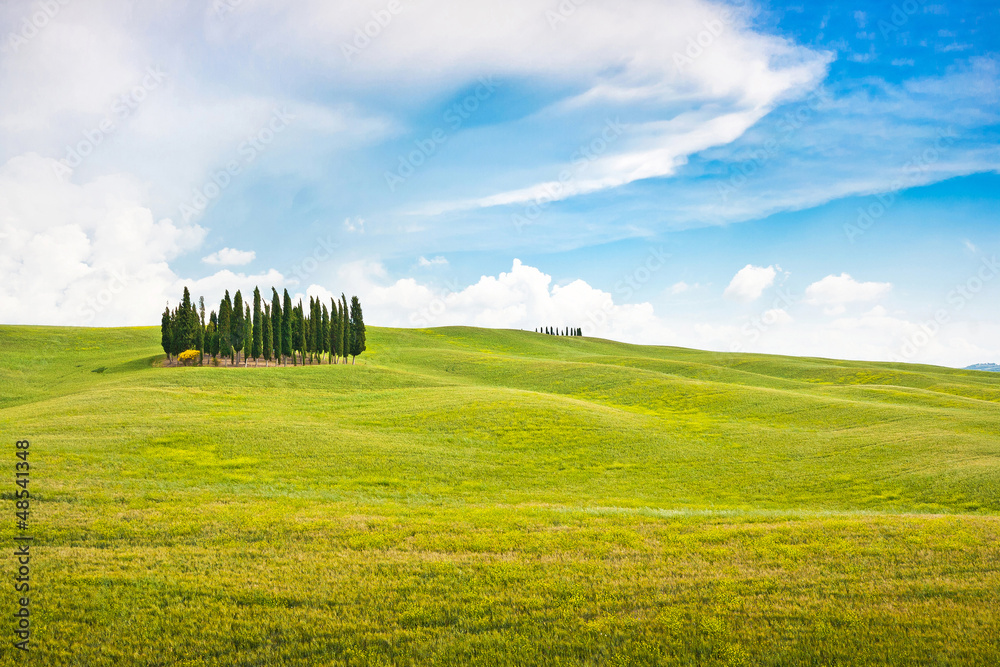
(230, 257)
(523, 298)
(679, 287)
(355, 225)
(93, 254)
(437, 261)
(835, 292)
(750, 282)
(621, 56)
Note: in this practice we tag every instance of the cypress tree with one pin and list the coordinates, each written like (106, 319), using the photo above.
(286, 327)
(324, 333)
(345, 328)
(212, 335)
(357, 329)
(225, 328)
(176, 332)
(166, 332)
(247, 334)
(201, 330)
(237, 324)
(187, 332)
(267, 344)
(334, 332)
(300, 331)
(258, 331)
(276, 324)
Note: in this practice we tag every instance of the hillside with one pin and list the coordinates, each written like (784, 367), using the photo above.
(470, 496)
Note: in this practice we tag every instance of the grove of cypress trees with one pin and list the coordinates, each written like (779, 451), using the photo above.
(258, 331)
(357, 329)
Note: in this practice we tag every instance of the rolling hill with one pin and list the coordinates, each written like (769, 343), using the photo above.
(474, 496)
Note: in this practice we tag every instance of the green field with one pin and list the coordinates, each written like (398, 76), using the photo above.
(469, 496)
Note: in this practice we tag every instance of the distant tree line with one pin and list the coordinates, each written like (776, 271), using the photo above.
(565, 331)
(278, 331)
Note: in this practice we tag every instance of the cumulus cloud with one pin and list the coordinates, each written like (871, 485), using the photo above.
(835, 292)
(437, 261)
(82, 254)
(522, 298)
(230, 257)
(93, 254)
(750, 282)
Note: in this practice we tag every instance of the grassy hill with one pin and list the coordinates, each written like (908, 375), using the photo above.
(470, 496)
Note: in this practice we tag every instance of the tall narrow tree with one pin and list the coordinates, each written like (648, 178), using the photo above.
(225, 328)
(201, 330)
(267, 344)
(286, 327)
(357, 329)
(345, 321)
(258, 331)
(166, 332)
(247, 333)
(334, 332)
(276, 324)
(324, 333)
(237, 324)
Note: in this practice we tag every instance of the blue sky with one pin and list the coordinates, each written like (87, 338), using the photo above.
(819, 178)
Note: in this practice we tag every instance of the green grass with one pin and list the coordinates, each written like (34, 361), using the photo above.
(470, 496)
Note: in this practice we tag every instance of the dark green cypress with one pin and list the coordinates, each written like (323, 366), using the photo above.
(247, 333)
(276, 324)
(334, 332)
(286, 327)
(357, 329)
(267, 344)
(345, 328)
(237, 324)
(324, 332)
(166, 332)
(225, 328)
(258, 330)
